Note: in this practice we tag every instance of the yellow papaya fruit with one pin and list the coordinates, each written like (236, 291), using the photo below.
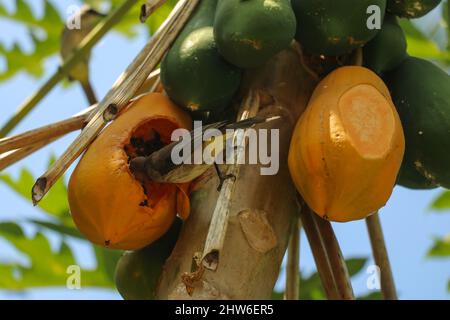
(108, 204)
(348, 146)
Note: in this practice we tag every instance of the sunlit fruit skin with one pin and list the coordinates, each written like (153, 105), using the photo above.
(107, 203)
(376, 55)
(421, 93)
(248, 33)
(137, 272)
(347, 147)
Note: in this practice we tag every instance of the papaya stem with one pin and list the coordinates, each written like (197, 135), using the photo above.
(381, 257)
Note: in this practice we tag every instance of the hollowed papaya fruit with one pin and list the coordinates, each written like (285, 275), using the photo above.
(108, 204)
(348, 146)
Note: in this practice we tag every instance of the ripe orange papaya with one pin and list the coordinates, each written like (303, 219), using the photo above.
(108, 204)
(348, 146)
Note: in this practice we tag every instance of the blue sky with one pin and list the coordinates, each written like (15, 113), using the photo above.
(409, 226)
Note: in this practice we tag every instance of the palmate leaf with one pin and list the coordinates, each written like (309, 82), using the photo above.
(55, 203)
(45, 33)
(46, 268)
(31, 62)
(49, 268)
(442, 202)
(440, 248)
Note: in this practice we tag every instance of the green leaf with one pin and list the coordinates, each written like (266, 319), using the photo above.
(54, 203)
(59, 228)
(355, 265)
(46, 267)
(277, 295)
(107, 260)
(371, 296)
(446, 17)
(440, 248)
(31, 62)
(419, 45)
(442, 202)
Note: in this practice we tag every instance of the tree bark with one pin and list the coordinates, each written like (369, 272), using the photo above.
(262, 207)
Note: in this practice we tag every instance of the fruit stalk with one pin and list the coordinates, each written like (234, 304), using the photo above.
(381, 256)
(10, 157)
(327, 255)
(45, 133)
(319, 251)
(17, 147)
(292, 268)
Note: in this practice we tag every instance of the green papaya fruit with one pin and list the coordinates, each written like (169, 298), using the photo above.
(138, 272)
(388, 49)
(250, 32)
(411, 8)
(410, 178)
(421, 93)
(193, 73)
(334, 27)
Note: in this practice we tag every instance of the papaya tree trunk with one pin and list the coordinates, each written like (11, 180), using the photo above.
(263, 208)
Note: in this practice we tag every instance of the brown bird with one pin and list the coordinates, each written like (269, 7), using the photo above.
(160, 167)
(71, 37)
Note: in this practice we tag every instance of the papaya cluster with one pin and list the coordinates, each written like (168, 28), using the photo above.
(202, 71)
(365, 129)
(326, 149)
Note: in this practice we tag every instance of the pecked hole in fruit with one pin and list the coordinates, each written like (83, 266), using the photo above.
(145, 139)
